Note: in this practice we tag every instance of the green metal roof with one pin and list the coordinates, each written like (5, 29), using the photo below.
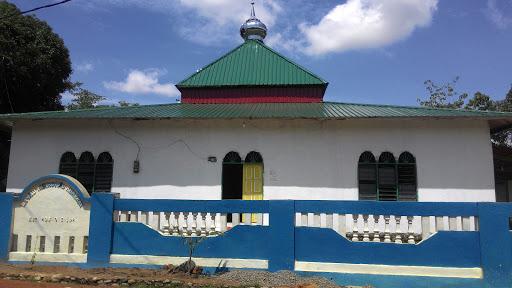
(259, 110)
(251, 63)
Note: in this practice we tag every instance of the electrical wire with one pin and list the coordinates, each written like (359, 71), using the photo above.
(119, 133)
(139, 147)
(35, 9)
(172, 143)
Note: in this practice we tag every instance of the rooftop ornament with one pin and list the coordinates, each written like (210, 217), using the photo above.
(253, 28)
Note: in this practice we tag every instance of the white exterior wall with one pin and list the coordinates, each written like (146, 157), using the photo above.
(303, 159)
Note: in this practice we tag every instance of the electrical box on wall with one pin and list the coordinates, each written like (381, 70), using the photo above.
(136, 166)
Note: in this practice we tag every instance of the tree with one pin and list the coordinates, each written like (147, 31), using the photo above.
(85, 99)
(440, 97)
(34, 64)
(127, 104)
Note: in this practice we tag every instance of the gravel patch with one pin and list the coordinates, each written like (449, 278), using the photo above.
(283, 277)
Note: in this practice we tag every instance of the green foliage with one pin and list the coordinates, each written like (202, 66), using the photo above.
(441, 97)
(34, 64)
(127, 104)
(481, 102)
(85, 99)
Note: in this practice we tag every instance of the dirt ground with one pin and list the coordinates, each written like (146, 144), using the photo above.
(94, 276)
(27, 284)
(46, 276)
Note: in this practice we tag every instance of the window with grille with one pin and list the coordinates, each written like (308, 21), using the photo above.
(387, 179)
(94, 174)
(367, 171)
(407, 185)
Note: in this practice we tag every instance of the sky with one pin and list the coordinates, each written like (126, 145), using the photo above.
(370, 51)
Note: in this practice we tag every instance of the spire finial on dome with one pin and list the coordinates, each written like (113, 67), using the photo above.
(253, 28)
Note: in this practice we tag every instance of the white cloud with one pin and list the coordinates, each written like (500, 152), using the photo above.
(141, 82)
(202, 21)
(360, 24)
(84, 67)
(495, 15)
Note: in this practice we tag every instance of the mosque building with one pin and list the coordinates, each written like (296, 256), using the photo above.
(253, 125)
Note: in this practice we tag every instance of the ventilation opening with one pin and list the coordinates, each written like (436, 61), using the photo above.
(56, 244)
(71, 246)
(28, 244)
(42, 243)
(86, 244)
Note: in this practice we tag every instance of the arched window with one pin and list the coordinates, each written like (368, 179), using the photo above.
(86, 165)
(103, 175)
(232, 158)
(367, 177)
(253, 158)
(407, 180)
(387, 188)
(67, 164)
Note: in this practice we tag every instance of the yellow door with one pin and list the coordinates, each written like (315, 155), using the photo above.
(253, 184)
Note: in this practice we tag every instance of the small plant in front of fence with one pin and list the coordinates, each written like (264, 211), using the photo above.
(192, 243)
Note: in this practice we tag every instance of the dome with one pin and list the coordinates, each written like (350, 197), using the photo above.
(253, 28)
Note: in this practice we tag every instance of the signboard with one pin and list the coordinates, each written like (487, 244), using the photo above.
(52, 216)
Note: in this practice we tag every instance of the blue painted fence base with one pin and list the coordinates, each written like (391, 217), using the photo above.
(488, 250)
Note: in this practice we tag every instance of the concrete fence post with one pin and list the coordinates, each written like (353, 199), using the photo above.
(100, 230)
(6, 202)
(282, 235)
(495, 243)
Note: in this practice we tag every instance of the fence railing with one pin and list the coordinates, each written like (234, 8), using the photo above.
(191, 218)
(403, 223)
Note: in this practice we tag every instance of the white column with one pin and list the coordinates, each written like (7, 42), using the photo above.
(452, 220)
(167, 227)
(410, 232)
(223, 222)
(304, 219)
(144, 217)
(212, 222)
(376, 236)
(425, 227)
(387, 233)
(466, 223)
(439, 223)
(398, 230)
(316, 220)
(366, 230)
(342, 225)
(329, 220)
(355, 231)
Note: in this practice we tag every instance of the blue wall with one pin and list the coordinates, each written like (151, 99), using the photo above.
(6, 207)
(242, 242)
(444, 249)
(281, 243)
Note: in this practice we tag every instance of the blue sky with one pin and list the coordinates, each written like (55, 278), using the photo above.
(370, 51)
